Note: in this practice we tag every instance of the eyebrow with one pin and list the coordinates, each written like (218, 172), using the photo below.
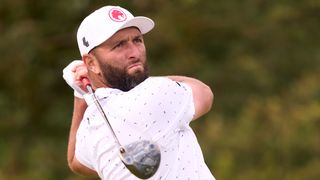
(138, 36)
(125, 39)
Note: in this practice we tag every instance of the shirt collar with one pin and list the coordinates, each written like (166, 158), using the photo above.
(101, 93)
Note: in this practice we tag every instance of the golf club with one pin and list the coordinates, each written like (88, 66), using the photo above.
(142, 158)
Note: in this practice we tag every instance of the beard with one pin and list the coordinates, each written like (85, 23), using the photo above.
(119, 78)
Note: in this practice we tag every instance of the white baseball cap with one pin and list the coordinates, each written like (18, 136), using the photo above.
(106, 21)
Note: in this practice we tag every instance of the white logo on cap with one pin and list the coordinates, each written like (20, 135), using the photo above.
(117, 15)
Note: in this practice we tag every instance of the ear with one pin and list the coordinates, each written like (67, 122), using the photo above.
(91, 62)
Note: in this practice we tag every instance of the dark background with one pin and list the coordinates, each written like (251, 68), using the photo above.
(260, 57)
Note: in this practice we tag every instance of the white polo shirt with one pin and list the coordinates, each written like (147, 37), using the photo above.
(158, 109)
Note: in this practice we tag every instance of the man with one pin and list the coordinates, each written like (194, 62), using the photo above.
(138, 106)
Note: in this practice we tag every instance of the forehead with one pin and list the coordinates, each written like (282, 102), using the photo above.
(125, 33)
(121, 35)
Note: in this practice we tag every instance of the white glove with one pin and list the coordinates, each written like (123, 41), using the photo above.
(69, 75)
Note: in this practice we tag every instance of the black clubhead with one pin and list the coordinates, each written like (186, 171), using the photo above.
(142, 158)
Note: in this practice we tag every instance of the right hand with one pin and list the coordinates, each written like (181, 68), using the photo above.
(73, 74)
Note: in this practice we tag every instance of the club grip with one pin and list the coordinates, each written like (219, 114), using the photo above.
(85, 82)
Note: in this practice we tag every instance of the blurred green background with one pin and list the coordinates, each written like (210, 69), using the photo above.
(260, 57)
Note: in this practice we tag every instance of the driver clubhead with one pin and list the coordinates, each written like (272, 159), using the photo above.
(142, 158)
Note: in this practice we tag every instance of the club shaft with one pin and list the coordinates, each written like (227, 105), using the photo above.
(104, 116)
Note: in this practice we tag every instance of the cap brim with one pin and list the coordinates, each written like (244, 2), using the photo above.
(143, 23)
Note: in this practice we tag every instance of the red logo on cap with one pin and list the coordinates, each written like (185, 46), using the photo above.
(117, 15)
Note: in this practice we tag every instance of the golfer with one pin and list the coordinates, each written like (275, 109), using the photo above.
(138, 107)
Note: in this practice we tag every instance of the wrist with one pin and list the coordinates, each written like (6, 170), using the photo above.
(77, 94)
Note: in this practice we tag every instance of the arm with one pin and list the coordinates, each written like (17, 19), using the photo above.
(72, 74)
(202, 94)
(78, 111)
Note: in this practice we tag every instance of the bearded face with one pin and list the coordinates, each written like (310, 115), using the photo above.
(120, 79)
(121, 59)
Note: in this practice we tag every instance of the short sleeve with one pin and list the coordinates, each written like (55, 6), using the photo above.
(189, 106)
(82, 151)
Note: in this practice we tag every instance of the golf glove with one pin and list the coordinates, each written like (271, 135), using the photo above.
(69, 77)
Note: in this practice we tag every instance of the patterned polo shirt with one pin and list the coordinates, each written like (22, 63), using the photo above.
(158, 109)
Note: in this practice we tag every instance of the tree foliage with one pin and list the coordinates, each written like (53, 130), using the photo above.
(261, 58)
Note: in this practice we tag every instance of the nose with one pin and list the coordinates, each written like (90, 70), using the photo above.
(134, 51)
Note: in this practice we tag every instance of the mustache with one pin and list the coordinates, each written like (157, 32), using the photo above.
(134, 62)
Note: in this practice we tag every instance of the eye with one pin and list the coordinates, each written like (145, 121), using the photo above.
(118, 45)
(138, 40)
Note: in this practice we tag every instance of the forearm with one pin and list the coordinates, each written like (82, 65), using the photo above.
(78, 111)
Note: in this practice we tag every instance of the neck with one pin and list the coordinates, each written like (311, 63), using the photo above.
(97, 81)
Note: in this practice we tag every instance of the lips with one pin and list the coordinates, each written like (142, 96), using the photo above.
(135, 65)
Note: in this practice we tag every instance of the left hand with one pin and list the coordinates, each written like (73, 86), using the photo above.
(73, 74)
